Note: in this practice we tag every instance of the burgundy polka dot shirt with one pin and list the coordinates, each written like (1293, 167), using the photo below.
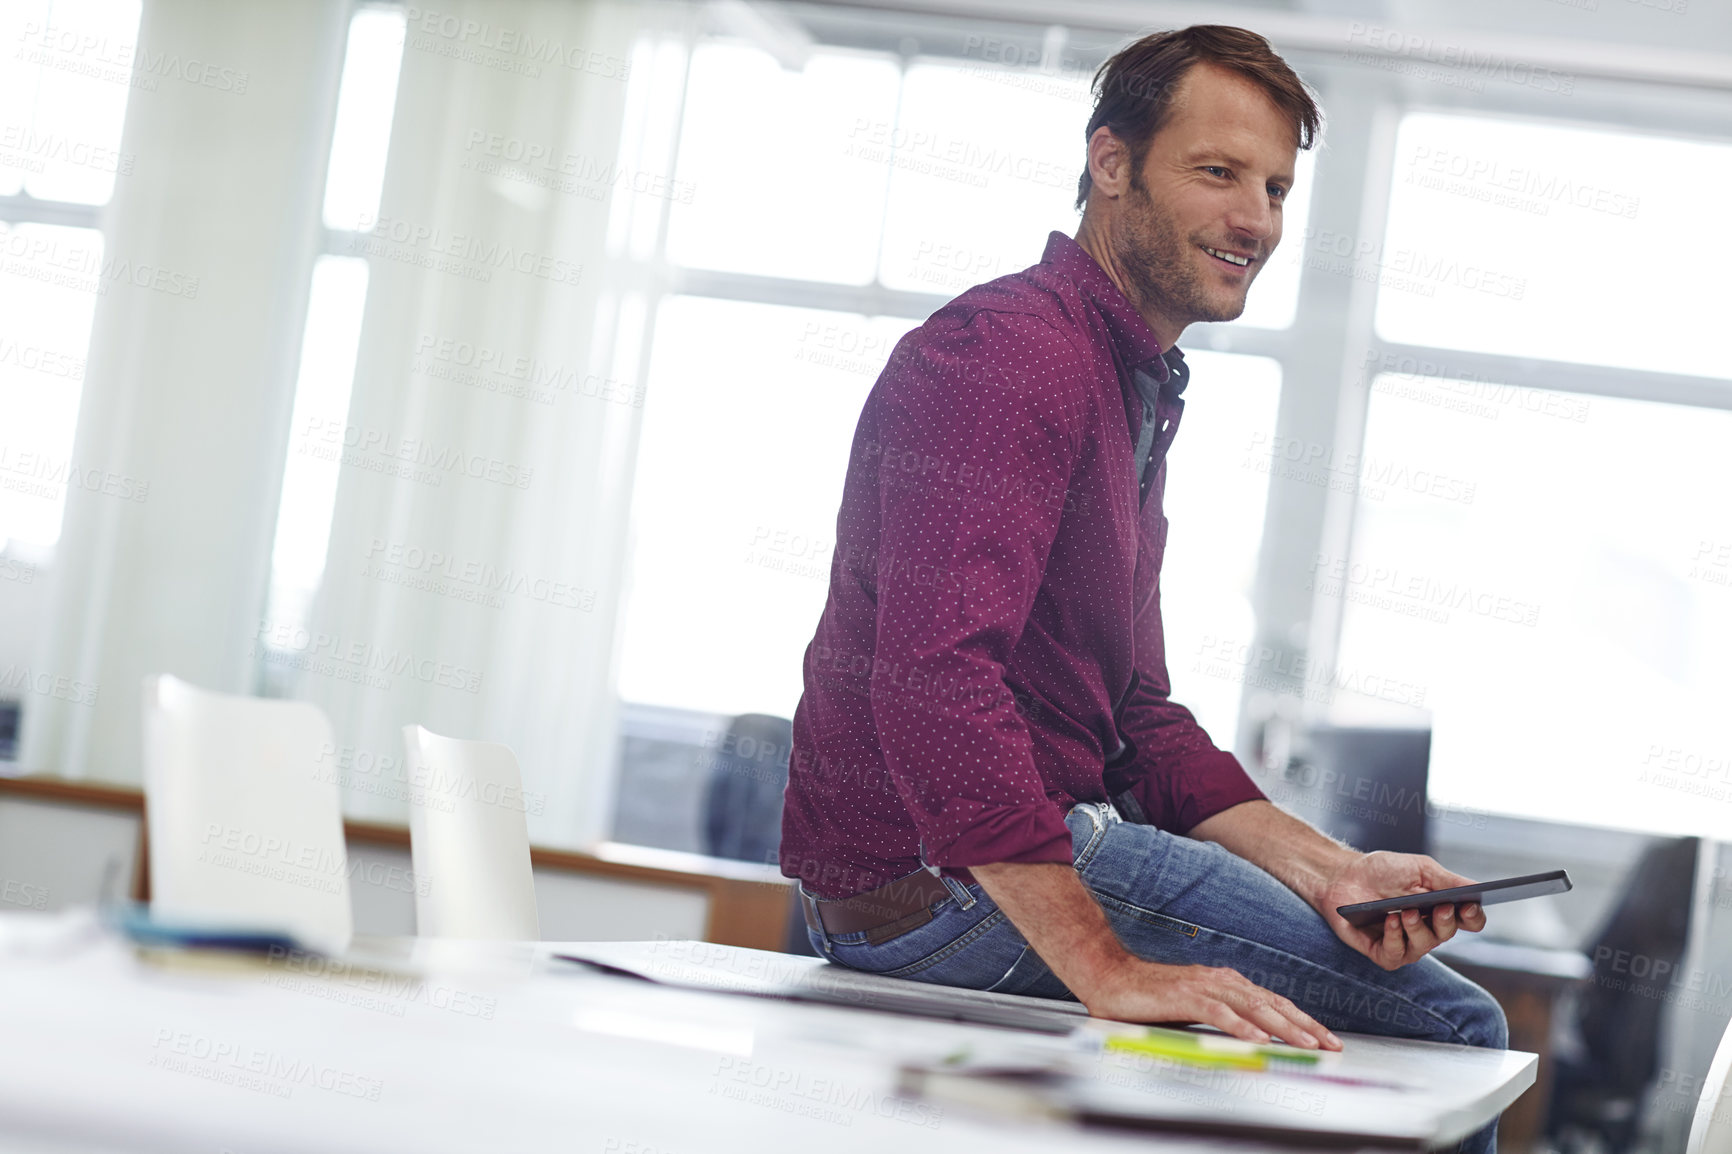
(991, 651)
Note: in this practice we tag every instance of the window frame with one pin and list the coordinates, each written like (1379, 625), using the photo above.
(1328, 353)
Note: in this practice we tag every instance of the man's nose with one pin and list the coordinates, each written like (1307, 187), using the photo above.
(1251, 216)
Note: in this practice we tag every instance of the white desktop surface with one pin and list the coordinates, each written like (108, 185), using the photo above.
(499, 1049)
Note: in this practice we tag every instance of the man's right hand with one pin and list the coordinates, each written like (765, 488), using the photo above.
(1058, 916)
(1140, 991)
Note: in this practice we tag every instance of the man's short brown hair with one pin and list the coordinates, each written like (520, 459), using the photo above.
(1134, 89)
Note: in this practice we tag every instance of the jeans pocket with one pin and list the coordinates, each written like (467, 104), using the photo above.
(1029, 974)
(949, 958)
(1087, 827)
(1118, 908)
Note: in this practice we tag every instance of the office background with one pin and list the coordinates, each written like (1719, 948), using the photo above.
(494, 366)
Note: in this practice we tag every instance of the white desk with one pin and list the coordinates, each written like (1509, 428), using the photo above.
(496, 1050)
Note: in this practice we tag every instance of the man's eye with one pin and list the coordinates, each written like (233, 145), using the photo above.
(1277, 192)
(1214, 170)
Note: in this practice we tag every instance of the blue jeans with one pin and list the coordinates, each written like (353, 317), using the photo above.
(1179, 901)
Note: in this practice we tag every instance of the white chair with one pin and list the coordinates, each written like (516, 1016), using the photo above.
(1711, 1126)
(469, 840)
(244, 816)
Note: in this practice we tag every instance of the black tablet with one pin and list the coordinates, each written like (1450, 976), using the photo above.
(1485, 893)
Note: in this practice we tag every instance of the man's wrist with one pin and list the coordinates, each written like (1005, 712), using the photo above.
(1055, 913)
(1095, 966)
(1324, 872)
(1304, 858)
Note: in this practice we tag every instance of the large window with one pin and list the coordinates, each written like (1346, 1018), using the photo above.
(1458, 464)
(1562, 242)
(1546, 574)
(366, 101)
(759, 206)
(45, 342)
(1554, 574)
(746, 432)
(980, 172)
(63, 97)
(936, 174)
(1217, 487)
(62, 105)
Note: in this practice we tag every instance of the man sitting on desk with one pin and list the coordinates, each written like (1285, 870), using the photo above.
(990, 786)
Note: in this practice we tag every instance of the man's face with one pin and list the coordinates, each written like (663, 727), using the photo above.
(1207, 197)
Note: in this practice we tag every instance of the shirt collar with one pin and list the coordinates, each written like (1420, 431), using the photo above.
(1178, 372)
(1133, 340)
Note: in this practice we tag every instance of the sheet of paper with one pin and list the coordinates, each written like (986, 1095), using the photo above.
(764, 973)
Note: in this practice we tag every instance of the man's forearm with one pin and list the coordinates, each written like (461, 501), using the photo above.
(1049, 905)
(1290, 849)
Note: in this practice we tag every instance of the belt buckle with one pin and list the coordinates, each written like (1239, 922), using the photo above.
(809, 908)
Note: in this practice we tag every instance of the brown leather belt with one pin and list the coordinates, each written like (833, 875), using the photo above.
(887, 912)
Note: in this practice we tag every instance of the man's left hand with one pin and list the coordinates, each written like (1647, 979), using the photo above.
(1406, 936)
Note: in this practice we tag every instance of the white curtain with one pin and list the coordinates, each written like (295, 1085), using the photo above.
(479, 598)
(190, 376)
(494, 414)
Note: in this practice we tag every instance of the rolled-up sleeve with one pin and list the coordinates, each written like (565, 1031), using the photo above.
(979, 441)
(1175, 772)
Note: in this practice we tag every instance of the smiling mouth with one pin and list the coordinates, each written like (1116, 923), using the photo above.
(1230, 258)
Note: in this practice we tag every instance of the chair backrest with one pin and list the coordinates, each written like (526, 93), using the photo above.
(1711, 1126)
(244, 815)
(742, 816)
(1620, 1021)
(469, 840)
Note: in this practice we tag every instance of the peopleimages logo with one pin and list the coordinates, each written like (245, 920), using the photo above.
(1394, 47)
(549, 167)
(440, 459)
(465, 36)
(1296, 459)
(435, 788)
(1406, 269)
(247, 851)
(1414, 594)
(15, 679)
(541, 379)
(22, 147)
(366, 986)
(31, 897)
(37, 359)
(438, 568)
(36, 474)
(1534, 188)
(474, 253)
(1266, 667)
(83, 267)
(269, 1071)
(950, 157)
(73, 49)
(795, 1091)
(331, 653)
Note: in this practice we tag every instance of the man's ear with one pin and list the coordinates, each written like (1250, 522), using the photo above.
(1109, 163)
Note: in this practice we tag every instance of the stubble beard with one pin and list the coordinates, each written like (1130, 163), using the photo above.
(1158, 264)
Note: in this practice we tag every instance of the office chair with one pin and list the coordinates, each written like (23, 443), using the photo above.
(742, 811)
(1597, 1091)
(243, 813)
(743, 797)
(469, 840)
(1711, 1125)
